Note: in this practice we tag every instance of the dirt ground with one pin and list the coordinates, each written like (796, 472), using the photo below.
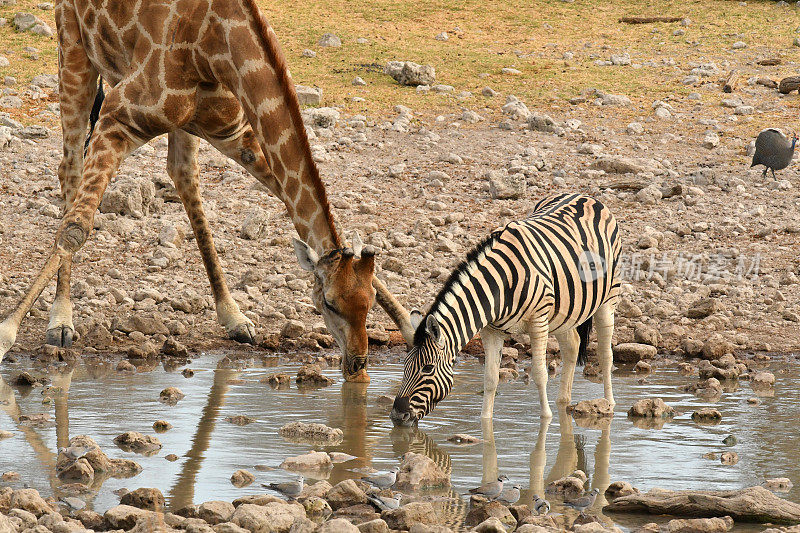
(710, 246)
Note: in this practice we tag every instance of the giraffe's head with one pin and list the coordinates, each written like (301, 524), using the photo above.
(343, 294)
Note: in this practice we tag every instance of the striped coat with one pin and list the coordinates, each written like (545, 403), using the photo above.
(552, 272)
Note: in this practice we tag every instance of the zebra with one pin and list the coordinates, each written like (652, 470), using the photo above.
(553, 272)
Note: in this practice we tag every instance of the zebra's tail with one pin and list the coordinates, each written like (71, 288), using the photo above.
(95, 114)
(584, 330)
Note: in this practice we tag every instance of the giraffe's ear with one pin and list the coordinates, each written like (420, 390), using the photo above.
(416, 318)
(305, 255)
(358, 244)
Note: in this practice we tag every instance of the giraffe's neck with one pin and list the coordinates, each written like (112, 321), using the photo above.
(255, 70)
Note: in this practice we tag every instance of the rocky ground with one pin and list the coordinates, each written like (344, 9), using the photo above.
(708, 243)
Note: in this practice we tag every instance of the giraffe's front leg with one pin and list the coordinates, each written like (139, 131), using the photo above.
(182, 168)
(492, 346)
(60, 330)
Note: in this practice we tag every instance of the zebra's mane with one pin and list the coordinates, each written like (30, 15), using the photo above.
(454, 280)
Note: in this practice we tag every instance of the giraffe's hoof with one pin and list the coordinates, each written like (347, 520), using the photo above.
(61, 336)
(244, 332)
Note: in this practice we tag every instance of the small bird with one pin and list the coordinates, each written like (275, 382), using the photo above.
(291, 489)
(583, 502)
(509, 496)
(542, 507)
(773, 150)
(491, 490)
(76, 452)
(384, 503)
(383, 481)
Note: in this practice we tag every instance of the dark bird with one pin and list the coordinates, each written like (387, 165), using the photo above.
(490, 490)
(583, 502)
(773, 150)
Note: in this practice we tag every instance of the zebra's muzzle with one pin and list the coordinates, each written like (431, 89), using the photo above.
(402, 413)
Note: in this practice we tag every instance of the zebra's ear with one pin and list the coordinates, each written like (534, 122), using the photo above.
(433, 329)
(416, 318)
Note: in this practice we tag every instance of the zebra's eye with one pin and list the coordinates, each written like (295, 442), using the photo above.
(427, 369)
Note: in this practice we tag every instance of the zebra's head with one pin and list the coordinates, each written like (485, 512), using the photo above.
(428, 373)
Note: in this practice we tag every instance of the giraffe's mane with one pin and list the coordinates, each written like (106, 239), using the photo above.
(278, 61)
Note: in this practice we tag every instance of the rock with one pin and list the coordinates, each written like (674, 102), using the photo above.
(322, 117)
(729, 458)
(313, 433)
(317, 509)
(308, 461)
(125, 516)
(706, 370)
(707, 414)
(515, 108)
(242, 478)
(710, 140)
(591, 408)
(753, 504)
(617, 165)
(338, 525)
(170, 396)
(716, 346)
(345, 494)
(568, 486)
(133, 441)
(408, 73)
(255, 225)
(779, 484)
(273, 517)
(173, 348)
(704, 307)
(503, 186)
(618, 489)
(293, 329)
(144, 498)
(80, 471)
(632, 352)
(542, 122)
(277, 380)
(147, 325)
(230, 527)
(762, 379)
(311, 375)
(215, 512)
(309, 95)
(29, 500)
(90, 519)
(319, 489)
(128, 197)
(700, 525)
(410, 514)
(649, 195)
(240, 420)
(329, 40)
(418, 471)
(651, 408)
(479, 514)
(374, 526)
(490, 525)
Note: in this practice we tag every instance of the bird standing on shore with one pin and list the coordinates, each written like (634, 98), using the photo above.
(290, 489)
(384, 503)
(542, 507)
(492, 489)
(383, 481)
(509, 496)
(583, 502)
(773, 150)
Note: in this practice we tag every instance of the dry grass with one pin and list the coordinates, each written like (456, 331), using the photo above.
(484, 38)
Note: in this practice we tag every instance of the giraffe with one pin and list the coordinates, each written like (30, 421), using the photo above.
(210, 69)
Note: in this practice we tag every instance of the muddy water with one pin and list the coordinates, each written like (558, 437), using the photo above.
(103, 403)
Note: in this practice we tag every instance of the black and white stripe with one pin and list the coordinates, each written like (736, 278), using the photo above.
(547, 274)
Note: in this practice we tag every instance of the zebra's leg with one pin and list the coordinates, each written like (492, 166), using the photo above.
(538, 331)
(604, 322)
(492, 346)
(764, 174)
(569, 343)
